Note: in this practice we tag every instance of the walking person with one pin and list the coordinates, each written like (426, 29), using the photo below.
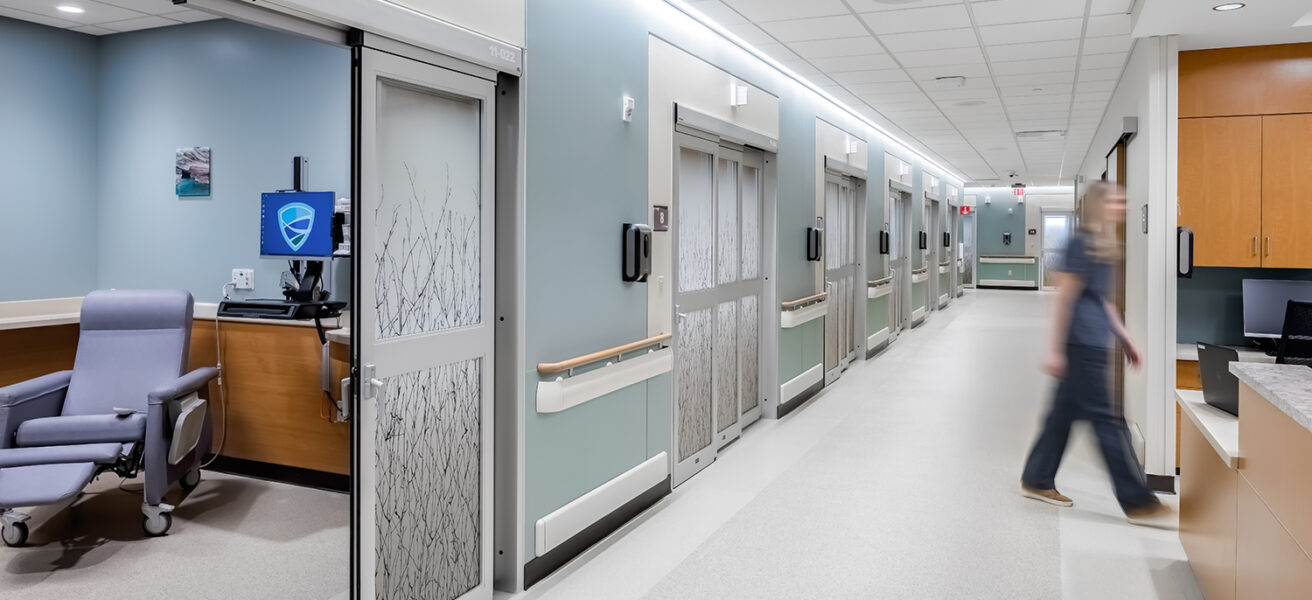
(1084, 324)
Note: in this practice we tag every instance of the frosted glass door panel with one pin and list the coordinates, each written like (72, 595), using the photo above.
(751, 217)
(832, 227)
(428, 223)
(696, 216)
(726, 365)
(693, 378)
(749, 342)
(726, 216)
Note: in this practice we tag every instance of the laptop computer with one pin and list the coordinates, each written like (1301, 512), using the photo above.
(1220, 387)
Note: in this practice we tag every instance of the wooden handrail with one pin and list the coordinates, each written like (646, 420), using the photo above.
(578, 361)
(920, 270)
(878, 282)
(800, 301)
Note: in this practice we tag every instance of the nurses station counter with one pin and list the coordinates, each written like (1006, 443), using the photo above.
(278, 413)
(1246, 486)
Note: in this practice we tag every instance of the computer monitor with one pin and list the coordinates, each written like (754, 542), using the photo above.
(296, 224)
(1264, 304)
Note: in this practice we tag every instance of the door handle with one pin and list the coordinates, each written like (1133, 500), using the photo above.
(1268, 246)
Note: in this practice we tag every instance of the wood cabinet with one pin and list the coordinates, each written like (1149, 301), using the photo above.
(1220, 179)
(1252, 80)
(1287, 191)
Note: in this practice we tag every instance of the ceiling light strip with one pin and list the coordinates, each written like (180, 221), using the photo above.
(696, 15)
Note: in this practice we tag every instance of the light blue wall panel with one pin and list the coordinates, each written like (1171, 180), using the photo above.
(256, 98)
(993, 220)
(48, 160)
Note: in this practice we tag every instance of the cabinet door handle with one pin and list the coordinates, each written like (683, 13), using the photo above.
(1254, 245)
(1268, 246)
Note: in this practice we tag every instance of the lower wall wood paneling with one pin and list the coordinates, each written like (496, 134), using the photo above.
(1207, 514)
(1269, 564)
(33, 352)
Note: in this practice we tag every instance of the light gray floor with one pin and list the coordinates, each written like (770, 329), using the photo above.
(898, 481)
(232, 537)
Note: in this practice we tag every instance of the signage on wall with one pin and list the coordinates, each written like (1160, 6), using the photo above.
(965, 210)
(660, 218)
(1034, 232)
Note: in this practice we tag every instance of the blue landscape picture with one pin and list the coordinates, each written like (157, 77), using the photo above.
(192, 171)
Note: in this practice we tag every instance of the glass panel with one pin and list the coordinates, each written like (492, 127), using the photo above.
(726, 215)
(695, 219)
(751, 223)
(694, 382)
(751, 359)
(1056, 231)
(428, 246)
(428, 512)
(726, 365)
(831, 225)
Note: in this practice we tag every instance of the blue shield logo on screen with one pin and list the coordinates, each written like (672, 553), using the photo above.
(295, 220)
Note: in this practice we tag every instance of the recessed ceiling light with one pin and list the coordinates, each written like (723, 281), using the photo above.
(70, 9)
(1229, 6)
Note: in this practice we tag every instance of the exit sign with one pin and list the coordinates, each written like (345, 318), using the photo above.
(965, 210)
(1018, 191)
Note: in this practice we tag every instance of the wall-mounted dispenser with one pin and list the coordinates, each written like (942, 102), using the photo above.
(814, 243)
(883, 242)
(636, 258)
(1006, 238)
(924, 241)
(947, 239)
(1185, 252)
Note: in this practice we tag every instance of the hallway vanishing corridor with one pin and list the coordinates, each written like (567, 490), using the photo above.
(900, 480)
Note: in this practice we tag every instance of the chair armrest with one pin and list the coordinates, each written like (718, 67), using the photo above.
(191, 382)
(46, 387)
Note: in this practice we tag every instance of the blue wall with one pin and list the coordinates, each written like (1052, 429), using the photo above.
(1210, 308)
(256, 98)
(48, 177)
(993, 220)
(117, 107)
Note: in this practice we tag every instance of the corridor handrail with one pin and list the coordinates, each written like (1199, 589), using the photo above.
(792, 304)
(879, 282)
(920, 271)
(578, 361)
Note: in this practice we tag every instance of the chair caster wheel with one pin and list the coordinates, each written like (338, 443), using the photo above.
(14, 534)
(157, 525)
(190, 480)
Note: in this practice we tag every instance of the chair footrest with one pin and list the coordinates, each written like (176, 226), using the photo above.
(43, 484)
(106, 453)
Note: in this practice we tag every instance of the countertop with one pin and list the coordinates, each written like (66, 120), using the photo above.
(1287, 387)
(1249, 355)
(1219, 427)
(340, 336)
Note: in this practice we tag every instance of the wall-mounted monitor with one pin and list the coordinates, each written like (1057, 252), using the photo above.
(296, 224)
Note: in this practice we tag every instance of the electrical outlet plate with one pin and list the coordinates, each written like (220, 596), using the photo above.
(243, 279)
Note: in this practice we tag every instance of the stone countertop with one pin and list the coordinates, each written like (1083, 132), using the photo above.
(1288, 387)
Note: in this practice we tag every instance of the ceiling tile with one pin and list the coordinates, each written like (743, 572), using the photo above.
(718, 12)
(1100, 74)
(800, 67)
(92, 30)
(822, 28)
(1103, 61)
(952, 56)
(852, 46)
(1021, 33)
(1033, 50)
(1108, 44)
(95, 14)
(139, 23)
(776, 10)
(750, 34)
(1107, 7)
(39, 19)
(1047, 65)
(912, 42)
(977, 69)
(190, 16)
(1013, 102)
(917, 19)
(1035, 79)
(999, 12)
(778, 52)
(1108, 25)
(1096, 86)
(874, 76)
(838, 64)
(149, 7)
(891, 87)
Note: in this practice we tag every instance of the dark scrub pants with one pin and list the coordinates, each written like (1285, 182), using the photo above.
(1082, 395)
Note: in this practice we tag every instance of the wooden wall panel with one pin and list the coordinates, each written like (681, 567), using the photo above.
(1208, 491)
(1220, 186)
(28, 353)
(1269, 565)
(1254, 80)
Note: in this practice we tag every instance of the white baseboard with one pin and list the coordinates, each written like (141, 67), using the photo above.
(879, 337)
(1020, 283)
(795, 386)
(918, 314)
(567, 521)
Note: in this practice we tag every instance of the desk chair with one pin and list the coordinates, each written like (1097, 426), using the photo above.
(128, 405)
(1295, 346)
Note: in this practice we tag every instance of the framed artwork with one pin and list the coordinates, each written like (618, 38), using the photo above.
(192, 171)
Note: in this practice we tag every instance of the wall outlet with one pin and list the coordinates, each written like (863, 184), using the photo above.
(243, 279)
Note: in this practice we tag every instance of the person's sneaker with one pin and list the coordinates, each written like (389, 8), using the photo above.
(1157, 515)
(1052, 497)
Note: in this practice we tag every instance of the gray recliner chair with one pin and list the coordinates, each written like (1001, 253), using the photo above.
(127, 405)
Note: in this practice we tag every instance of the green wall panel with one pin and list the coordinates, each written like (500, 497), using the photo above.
(876, 314)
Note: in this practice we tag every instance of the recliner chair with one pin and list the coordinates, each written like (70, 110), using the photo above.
(127, 405)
